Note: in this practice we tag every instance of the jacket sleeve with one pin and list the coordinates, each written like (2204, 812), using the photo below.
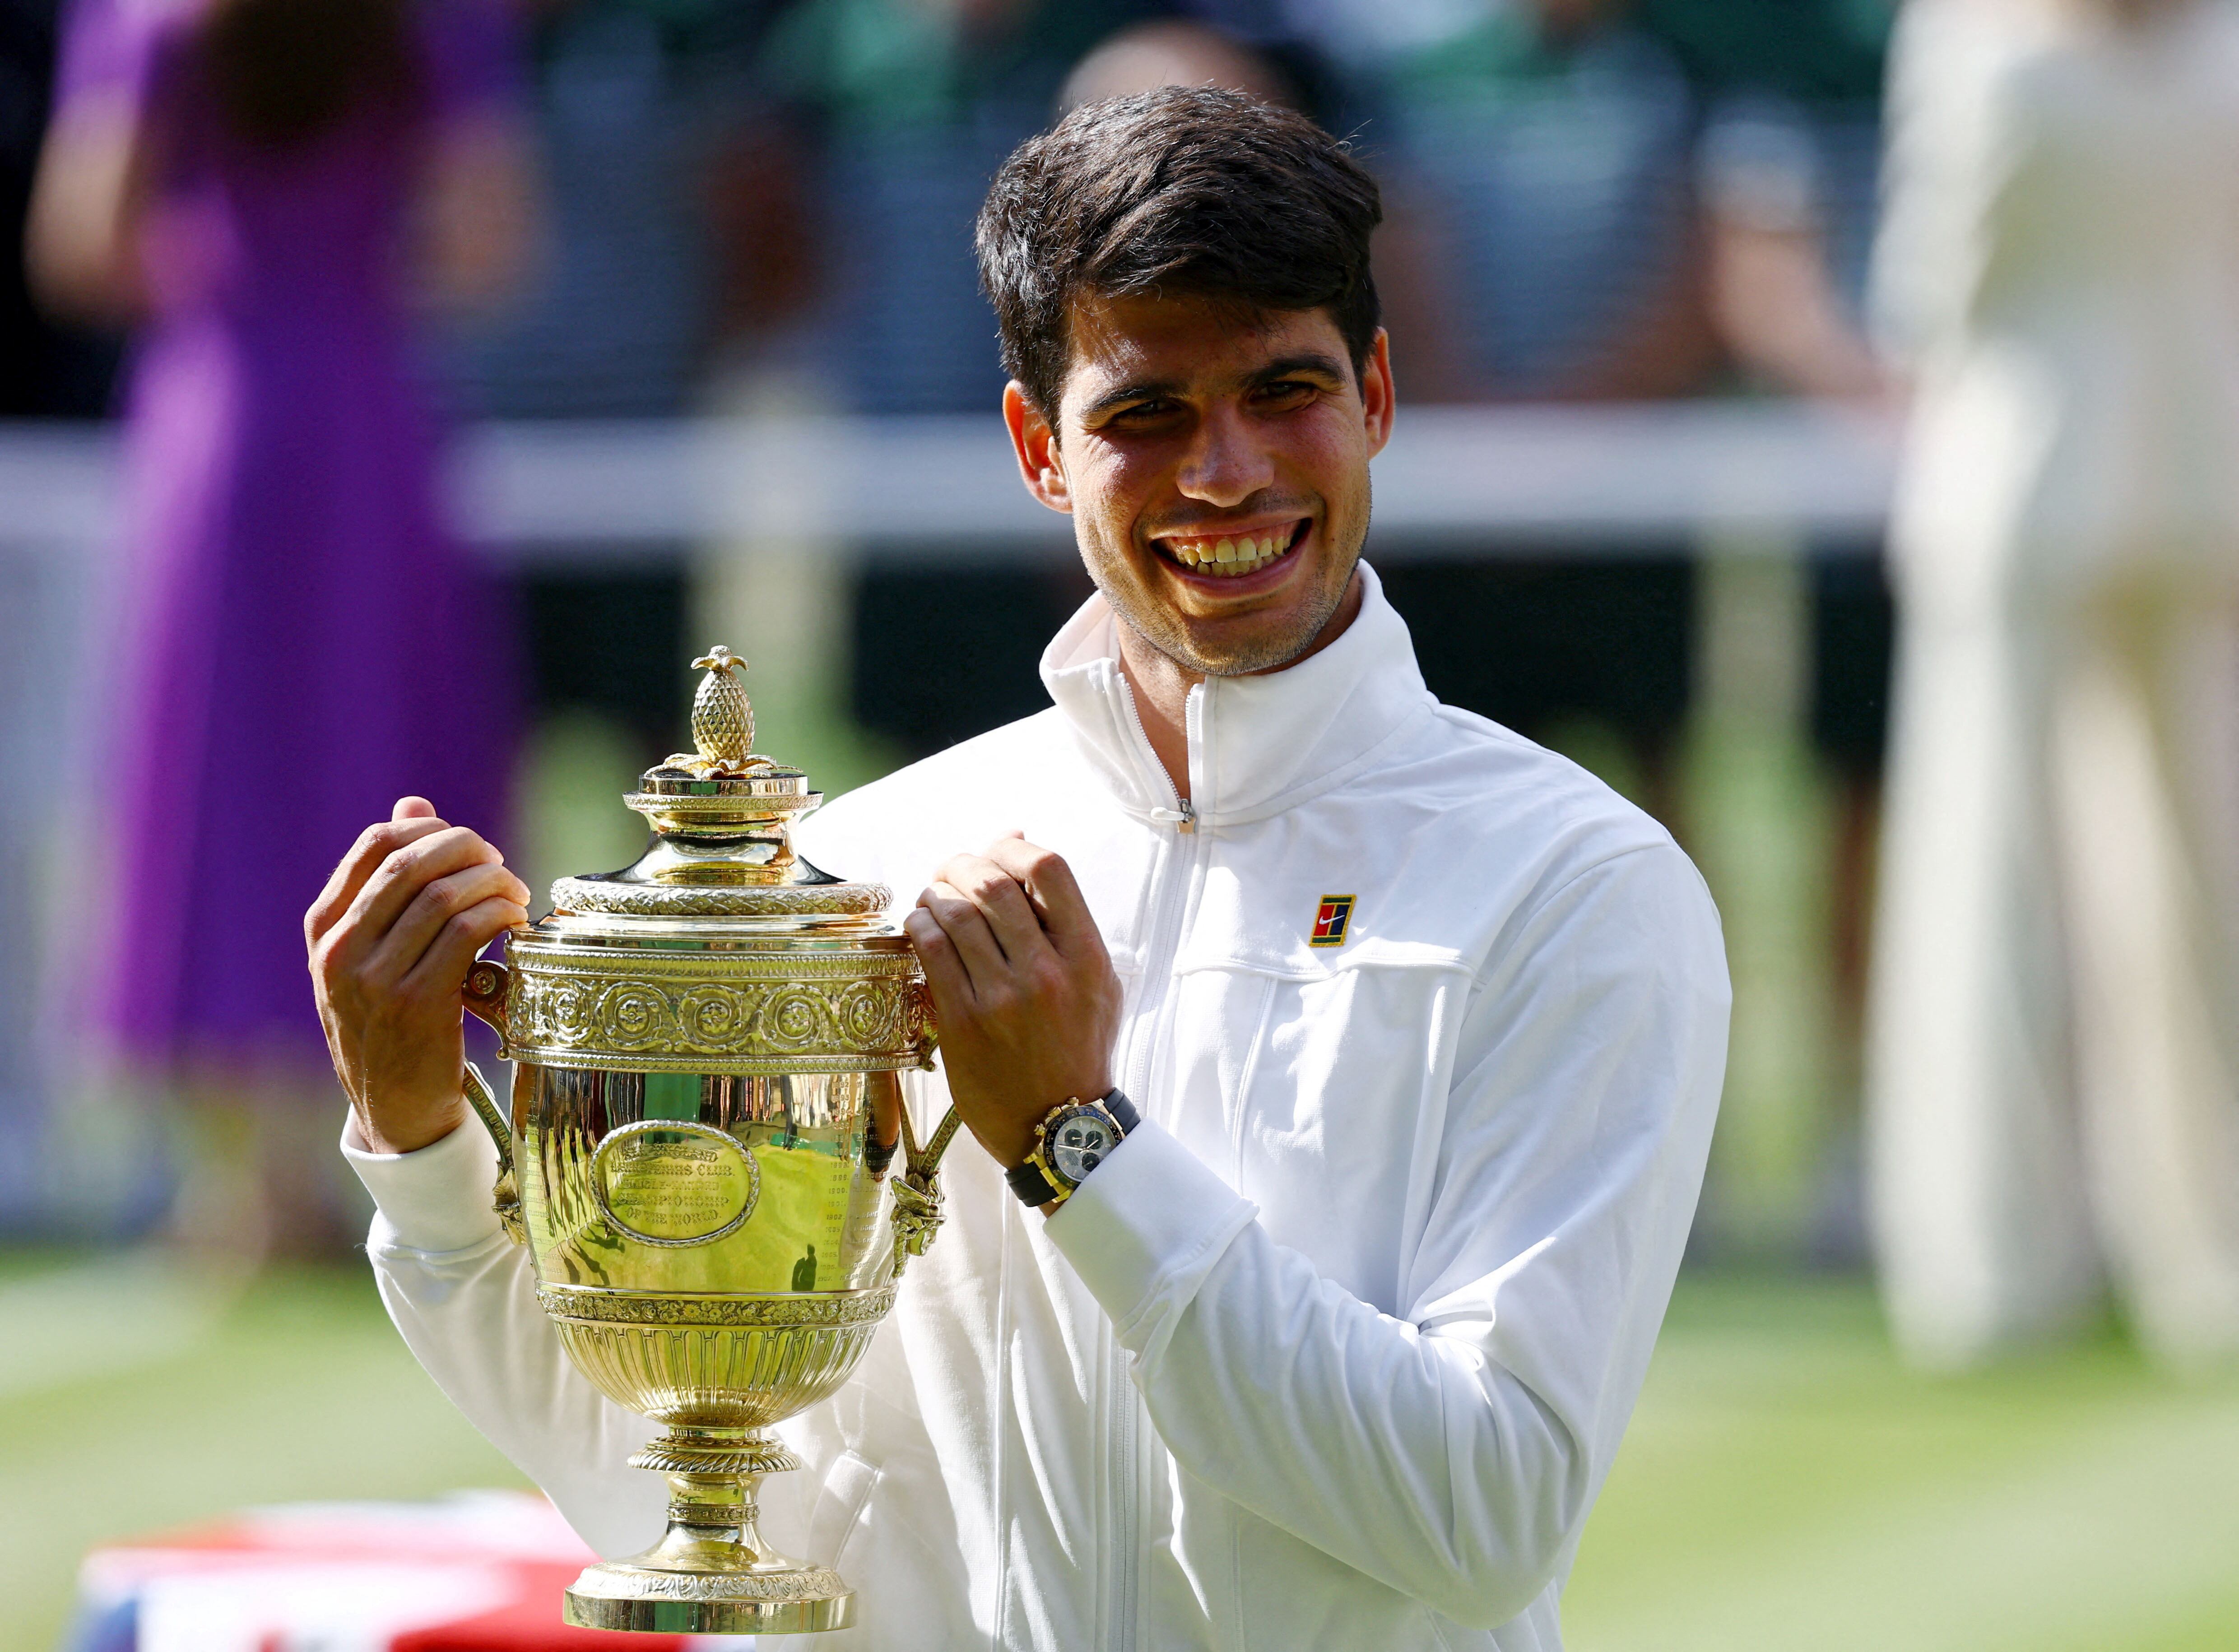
(462, 1295)
(1452, 1453)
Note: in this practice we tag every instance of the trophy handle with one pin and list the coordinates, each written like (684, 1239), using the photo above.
(488, 986)
(505, 1195)
(917, 1190)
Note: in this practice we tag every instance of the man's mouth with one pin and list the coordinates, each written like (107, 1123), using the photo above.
(1232, 555)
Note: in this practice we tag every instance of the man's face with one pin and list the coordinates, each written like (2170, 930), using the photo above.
(1216, 466)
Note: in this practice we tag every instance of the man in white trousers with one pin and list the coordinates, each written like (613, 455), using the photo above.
(2053, 1075)
(1414, 1030)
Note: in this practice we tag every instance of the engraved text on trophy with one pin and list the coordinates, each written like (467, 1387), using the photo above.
(666, 1181)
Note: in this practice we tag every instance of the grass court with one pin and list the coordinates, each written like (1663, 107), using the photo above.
(1786, 1487)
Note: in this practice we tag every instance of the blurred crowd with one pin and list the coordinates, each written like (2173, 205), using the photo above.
(742, 199)
(1588, 197)
(620, 208)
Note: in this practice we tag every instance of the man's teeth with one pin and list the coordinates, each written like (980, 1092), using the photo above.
(1238, 553)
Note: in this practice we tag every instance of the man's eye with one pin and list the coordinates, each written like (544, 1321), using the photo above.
(1142, 412)
(1286, 392)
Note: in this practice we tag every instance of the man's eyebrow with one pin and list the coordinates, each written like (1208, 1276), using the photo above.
(1306, 362)
(1140, 390)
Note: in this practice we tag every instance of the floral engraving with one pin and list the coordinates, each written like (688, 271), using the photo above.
(795, 1017)
(866, 1308)
(563, 1006)
(873, 1016)
(868, 1018)
(632, 1015)
(711, 1015)
(810, 1583)
(702, 900)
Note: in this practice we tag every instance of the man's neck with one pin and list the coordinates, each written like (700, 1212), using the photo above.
(1162, 685)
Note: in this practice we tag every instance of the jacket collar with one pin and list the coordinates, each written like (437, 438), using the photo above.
(1258, 745)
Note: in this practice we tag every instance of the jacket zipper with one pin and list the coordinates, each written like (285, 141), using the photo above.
(1170, 899)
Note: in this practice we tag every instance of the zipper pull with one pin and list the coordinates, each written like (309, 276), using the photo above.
(1183, 819)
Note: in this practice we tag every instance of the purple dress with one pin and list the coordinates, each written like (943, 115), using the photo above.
(303, 639)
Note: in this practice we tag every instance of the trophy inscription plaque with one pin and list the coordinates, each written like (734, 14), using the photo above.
(709, 1047)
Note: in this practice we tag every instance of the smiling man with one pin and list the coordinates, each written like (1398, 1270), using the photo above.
(1344, 1064)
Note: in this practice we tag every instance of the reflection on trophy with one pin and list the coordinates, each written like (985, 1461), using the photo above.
(705, 1041)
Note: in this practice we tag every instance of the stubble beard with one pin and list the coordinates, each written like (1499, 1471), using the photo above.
(1160, 626)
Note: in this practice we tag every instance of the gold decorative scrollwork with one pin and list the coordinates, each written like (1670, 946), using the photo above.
(851, 1012)
(867, 1017)
(793, 1017)
(710, 1015)
(830, 1311)
(702, 901)
(809, 1583)
(710, 1514)
(632, 1015)
(558, 1011)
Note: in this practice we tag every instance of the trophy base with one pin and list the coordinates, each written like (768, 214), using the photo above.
(711, 1573)
(768, 1600)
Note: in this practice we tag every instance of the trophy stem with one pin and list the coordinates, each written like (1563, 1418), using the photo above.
(712, 1572)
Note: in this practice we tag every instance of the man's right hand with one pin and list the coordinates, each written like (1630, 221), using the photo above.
(391, 938)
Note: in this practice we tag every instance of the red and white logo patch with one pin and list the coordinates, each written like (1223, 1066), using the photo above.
(1332, 918)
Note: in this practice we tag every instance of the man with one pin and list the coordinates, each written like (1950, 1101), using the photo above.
(1424, 1026)
(2052, 1071)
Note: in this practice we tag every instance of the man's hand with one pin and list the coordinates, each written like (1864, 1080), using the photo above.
(1029, 1005)
(391, 937)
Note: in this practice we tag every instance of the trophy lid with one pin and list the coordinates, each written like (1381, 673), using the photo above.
(722, 821)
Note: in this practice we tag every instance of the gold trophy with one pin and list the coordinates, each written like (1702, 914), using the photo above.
(704, 1042)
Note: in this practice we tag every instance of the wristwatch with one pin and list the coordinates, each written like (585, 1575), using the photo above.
(1073, 1139)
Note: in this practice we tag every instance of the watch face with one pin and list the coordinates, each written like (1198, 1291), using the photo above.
(1080, 1143)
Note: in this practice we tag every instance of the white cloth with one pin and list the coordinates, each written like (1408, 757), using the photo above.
(1336, 1349)
(2050, 1080)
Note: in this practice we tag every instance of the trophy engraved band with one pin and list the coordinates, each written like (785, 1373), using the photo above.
(704, 1045)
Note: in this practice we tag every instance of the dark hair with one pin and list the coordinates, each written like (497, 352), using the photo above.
(285, 72)
(1183, 191)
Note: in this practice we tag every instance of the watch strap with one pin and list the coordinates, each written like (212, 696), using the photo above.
(1032, 1187)
(1122, 1110)
(1035, 1186)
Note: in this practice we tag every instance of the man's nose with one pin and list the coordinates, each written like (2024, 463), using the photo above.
(1226, 464)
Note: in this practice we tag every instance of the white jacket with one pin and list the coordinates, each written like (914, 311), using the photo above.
(1335, 1349)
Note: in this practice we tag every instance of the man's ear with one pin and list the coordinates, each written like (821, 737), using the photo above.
(1040, 465)
(1378, 399)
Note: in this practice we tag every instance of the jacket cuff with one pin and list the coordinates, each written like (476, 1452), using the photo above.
(1145, 1231)
(435, 1200)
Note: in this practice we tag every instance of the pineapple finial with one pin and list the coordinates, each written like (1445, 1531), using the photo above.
(722, 717)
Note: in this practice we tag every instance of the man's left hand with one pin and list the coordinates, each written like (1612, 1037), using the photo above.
(1028, 1002)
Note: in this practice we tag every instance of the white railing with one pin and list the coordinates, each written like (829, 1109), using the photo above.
(1454, 482)
(1744, 482)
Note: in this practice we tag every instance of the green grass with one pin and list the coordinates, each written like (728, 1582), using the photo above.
(1786, 1487)
(134, 1398)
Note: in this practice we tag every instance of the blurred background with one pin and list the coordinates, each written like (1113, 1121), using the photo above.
(1819, 422)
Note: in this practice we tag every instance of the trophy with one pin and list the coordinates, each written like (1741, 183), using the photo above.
(707, 1100)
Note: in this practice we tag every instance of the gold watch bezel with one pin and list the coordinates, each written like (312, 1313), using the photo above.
(1062, 1187)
